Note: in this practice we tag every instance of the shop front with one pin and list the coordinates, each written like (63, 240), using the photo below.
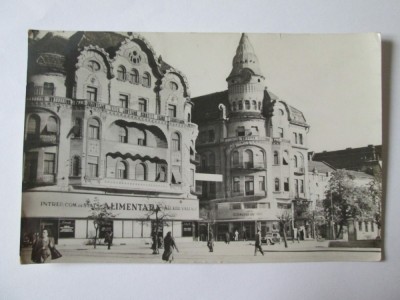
(66, 216)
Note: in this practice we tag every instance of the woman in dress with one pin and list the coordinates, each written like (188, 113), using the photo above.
(169, 246)
(43, 247)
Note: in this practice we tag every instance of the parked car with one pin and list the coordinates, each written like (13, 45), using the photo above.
(271, 238)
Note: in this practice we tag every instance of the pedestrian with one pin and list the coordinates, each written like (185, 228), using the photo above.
(169, 246)
(43, 248)
(108, 239)
(296, 235)
(210, 242)
(258, 243)
(244, 235)
(236, 235)
(227, 237)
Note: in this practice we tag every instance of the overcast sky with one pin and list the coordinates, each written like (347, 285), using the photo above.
(335, 80)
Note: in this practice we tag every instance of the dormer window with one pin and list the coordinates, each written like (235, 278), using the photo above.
(93, 65)
(173, 86)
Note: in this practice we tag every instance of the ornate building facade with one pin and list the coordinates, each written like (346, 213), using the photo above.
(106, 119)
(258, 142)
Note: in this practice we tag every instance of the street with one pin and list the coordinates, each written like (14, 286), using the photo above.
(197, 252)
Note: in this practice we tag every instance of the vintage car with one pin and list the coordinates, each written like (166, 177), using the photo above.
(271, 238)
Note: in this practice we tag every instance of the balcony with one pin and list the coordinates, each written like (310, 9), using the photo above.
(41, 139)
(248, 166)
(52, 99)
(299, 171)
(129, 184)
(247, 138)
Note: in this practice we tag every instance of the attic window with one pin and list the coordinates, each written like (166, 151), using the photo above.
(173, 86)
(135, 57)
(93, 65)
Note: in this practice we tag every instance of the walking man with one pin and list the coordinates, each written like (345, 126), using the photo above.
(236, 236)
(108, 239)
(258, 243)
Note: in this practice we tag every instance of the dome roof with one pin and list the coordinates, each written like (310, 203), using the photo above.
(245, 58)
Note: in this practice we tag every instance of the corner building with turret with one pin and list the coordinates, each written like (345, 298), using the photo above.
(258, 142)
(106, 120)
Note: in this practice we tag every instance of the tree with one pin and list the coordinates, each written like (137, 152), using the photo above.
(159, 213)
(284, 219)
(375, 190)
(100, 214)
(345, 200)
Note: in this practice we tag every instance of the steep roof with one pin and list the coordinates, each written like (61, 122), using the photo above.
(245, 58)
(206, 107)
(319, 166)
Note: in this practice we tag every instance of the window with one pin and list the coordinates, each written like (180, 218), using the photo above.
(77, 130)
(142, 105)
(259, 105)
(247, 104)
(76, 166)
(302, 186)
(49, 163)
(51, 126)
(301, 139)
(249, 185)
(295, 137)
(277, 185)
(176, 142)
(33, 125)
(93, 65)
(248, 159)
(172, 110)
(250, 205)
(146, 79)
(366, 226)
(141, 136)
(140, 172)
(254, 130)
(254, 105)
(93, 166)
(235, 158)
(121, 73)
(234, 106)
(372, 226)
(276, 158)
(286, 185)
(134, 76)
(296, 161)
(240, 105)
(189, 118)
(211, 135)
(48, 89)
(280, 132)
(123, 136)
(240, 131)
(285, 157)
(94, 129)
(91, 93)
(122, 170)
(123, 100)
(173, 86)
(296, 187)
(360, 226)
(261, 183)
(236, 184)
(236, 206)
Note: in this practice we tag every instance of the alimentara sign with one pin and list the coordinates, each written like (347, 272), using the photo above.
(53, 204)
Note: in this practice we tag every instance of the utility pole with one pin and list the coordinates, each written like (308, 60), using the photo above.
(332, 227)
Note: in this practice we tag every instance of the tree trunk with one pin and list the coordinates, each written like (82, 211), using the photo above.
(95, 238)
(340, 231)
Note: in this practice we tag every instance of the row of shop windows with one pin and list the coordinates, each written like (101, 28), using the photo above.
(84, 229)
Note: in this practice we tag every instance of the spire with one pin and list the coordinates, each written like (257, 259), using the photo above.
(245, 58)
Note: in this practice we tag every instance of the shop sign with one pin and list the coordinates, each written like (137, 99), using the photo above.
(66, 229)
(187, 229)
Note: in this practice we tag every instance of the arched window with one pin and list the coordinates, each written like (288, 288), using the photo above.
(285, 158)
(146, 79)
(254, 105)
(121, 73)
(176, 142)
(277, 187)
(259, 159)
(142, 105)
(94, 129)
(173, 86)
(189, 117)
(240, 105)
(51, 125)
(276, 158)
(33, 125)
(77, 130)
(93, 65)
(140, 172)
(247, 104)
(233, 106)
(300, 161)
(76, 166)
(122, 170)
(134, 76)
(141, 138)
(235, 158)
(296, 162)
(123, 135)
(259, 105)
(248, 159)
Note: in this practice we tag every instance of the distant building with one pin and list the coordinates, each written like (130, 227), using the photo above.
(364, 159)
(258, 142)
(106, 118)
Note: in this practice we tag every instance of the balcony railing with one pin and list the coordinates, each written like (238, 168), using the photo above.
(108, 107)
(299, 170)
(246, 138)
(249, 166)
(42, 139)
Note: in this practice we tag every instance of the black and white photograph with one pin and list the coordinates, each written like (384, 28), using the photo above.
(208, 148)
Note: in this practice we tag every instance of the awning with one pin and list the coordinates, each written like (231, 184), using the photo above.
(176, 176)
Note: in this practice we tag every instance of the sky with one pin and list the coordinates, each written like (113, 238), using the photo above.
(335, 80)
